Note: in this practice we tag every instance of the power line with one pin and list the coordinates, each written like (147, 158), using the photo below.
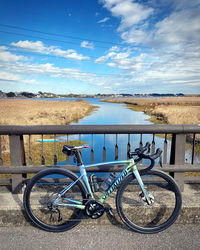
(59, 35)
(68, 36)
(44, 38)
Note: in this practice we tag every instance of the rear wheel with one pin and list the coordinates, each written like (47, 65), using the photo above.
(134, 210)
(43, 189)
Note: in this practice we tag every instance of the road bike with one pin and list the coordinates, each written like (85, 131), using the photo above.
(147, 201)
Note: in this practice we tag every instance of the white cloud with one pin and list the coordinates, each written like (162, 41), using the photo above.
(181, 22)
(39, 47)
(103, 59)
(2, 48)
(134, 36)
(129, 12)
(171, 45)
(13, 78)
(7, 56)
(121, 60)
(19, 72)
(88, 45)
(105, 19)
(6, 76)
(181, 26)
(114, 48)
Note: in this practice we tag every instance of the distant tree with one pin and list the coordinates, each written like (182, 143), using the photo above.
(27, 94)
(10, 94)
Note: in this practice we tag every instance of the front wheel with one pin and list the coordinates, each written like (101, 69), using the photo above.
(40, 194)
(134, 210)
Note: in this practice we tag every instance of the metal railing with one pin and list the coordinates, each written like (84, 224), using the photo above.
(20, 166)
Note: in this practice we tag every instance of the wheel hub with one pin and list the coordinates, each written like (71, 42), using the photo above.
(144, 200)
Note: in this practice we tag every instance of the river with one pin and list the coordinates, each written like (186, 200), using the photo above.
(112, 113)
(108, 114)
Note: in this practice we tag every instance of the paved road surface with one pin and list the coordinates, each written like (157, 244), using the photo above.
(99, 238)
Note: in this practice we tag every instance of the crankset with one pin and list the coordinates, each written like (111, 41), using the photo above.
(94, 209)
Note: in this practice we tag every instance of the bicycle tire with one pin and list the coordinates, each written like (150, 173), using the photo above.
(134, 210)
(41, 191)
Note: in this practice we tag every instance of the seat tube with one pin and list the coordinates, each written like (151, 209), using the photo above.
(85, 179)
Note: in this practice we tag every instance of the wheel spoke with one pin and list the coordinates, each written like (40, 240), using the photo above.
(41, 193)
(163, 210)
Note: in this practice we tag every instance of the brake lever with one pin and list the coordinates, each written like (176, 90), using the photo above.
(149, 148)
(160, 161)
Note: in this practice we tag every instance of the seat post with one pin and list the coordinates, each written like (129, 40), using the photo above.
(78, 158)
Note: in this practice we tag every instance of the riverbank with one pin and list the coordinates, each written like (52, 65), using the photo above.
(171, 110)
(166, 110)
(38, 112)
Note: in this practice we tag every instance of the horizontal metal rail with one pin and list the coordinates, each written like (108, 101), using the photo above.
(98, 129)
(115, 168)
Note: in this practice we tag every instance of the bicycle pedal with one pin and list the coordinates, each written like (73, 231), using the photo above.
(110, 211)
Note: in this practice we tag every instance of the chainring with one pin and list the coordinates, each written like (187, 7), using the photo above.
(94, 209)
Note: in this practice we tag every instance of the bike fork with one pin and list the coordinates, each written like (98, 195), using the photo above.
(140, 182)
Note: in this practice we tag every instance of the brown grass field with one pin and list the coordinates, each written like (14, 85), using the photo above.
(171, 110)
(167, 110)
(36, 112)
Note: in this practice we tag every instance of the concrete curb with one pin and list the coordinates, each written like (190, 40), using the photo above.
(12, 214)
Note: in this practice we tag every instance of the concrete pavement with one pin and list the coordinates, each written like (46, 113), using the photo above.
(99, 237)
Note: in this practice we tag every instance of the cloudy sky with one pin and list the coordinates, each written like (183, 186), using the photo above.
(100, 46)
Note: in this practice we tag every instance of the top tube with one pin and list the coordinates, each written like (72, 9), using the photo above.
(124, 162)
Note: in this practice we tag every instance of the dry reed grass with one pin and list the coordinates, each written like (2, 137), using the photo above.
(35, 112)
(173, 110)
(170, 110)
(151, 102)
(178, 114)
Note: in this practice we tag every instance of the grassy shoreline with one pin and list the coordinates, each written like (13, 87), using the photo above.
(37, 112)
(166, 110)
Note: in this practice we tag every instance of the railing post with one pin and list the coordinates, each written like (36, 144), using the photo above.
(178, 156)
(1, 160)
(17, 158)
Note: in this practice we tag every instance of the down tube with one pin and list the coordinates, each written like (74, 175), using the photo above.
(117, 182)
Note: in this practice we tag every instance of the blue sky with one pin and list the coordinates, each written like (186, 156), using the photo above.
(100, 46)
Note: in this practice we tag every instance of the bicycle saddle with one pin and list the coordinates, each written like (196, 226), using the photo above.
(69, 150)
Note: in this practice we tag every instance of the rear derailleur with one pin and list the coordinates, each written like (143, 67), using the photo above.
(54, 211)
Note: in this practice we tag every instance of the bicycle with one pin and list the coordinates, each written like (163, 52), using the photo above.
(147, 201)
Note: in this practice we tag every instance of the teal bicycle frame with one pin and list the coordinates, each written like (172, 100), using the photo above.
(131, 166)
